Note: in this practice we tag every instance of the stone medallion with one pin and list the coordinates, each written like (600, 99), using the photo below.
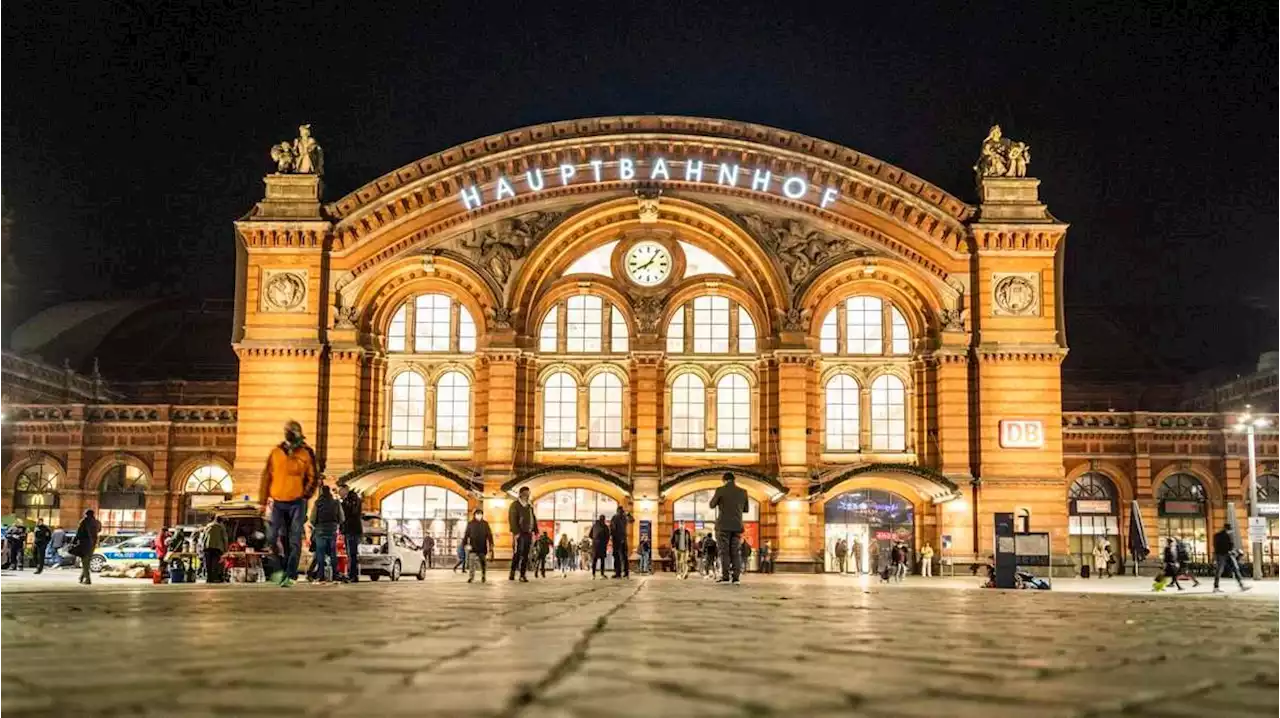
(1015, 294)
(284, 291)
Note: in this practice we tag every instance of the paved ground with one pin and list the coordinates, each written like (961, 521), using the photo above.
(795, 646)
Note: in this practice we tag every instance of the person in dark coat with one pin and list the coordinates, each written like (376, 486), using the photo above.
(41, 537)
(745, 548)
(352, 529)
(523, 525)
(1170, 571)
(621, 553)
(731, 500)
(326, 519)
(477, 542)
(599, 545)
(429, 550)
(85, 543)
(16, 537)
(542, 549)
(1184, 562)
(1224, 557)
(708, 555)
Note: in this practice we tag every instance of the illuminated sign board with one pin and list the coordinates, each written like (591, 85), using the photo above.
(650, 170)
(1021, 434)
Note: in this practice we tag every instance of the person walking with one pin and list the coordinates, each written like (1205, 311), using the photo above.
(709, 556)
(766, 556)
(644, 550)
(326, 519)
(1169, 573)
(1100, 557)
(1224, 557)
(476, 543)
(584, 553)
(898, 559)
(599, 545)
(523, 525)
(215, 544)
(461, 565)
(746, 553)
(682, 544)
(540, 555)
(429, 550)
(926, 561)
(85, 543)
(618, 529)
(40, 538)
(731, 500)
(856, 551)
(352, 529)
(564, 555)
(288, 481)
(842, 555)
(16, 538)
(1184, 563)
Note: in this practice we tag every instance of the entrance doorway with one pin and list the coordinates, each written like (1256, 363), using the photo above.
(694, 512)
(572, 511)
(1094, 520)
(870, 521)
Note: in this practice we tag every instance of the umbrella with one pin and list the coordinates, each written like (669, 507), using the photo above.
(1137, 536)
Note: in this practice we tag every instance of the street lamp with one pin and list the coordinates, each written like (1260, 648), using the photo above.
(1247, 423)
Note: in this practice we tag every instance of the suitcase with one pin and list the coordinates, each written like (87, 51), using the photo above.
(1084, 571)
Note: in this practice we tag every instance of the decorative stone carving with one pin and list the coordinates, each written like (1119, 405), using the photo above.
(794, 321)
(648, 313)
(345, 317)
(799, 249)
(497, 246)
(1002, 157)
(648, 200)
(500, 318)
(953, 319)
(284, 290)
(301, 156)
(1015, 294)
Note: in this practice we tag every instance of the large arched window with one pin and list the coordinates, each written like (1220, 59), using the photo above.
(888, 414)
(583, 324)
(1183, 514)
(408, 409)
(432, 323)
(688, 412)
(1094, 517)
(605, 412)
(842, 413)
(35, 493)
(207, 485)
(865, 326)
(733, 413)
(122, 502)
(453, 411)
(711, 324)
(420, 511)
(560, 412)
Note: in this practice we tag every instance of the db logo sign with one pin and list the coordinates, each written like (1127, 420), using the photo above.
(1021, 434)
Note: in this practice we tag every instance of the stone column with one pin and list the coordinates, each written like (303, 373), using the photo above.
(346, 373)
(795, 368)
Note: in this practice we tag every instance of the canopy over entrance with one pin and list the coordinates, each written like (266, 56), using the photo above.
(929, 484)
(367, 478)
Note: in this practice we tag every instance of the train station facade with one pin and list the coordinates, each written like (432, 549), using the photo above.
(617, 311)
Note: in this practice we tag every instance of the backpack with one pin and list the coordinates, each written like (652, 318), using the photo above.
(1184, 556)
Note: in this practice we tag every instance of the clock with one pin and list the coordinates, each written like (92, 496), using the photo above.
(648, 263)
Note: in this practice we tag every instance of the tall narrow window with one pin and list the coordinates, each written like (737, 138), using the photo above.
(398, 331)
(829, 340)
(547, 334)
(408, 409)
(688, 412)
(560, 412)
(431, 333)
(583, 329)
(453, 411)
(842, 413)
(733, 413)
(864, 319)
(711, 325)
(605, 412)
(888, 414)
(466, 330)
(617, 332)
(746, 333)
(675, 333)
(900, 334)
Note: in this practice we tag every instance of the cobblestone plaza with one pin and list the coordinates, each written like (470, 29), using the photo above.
(777, 645)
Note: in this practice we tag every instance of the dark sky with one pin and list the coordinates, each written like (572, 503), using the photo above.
(135, 133)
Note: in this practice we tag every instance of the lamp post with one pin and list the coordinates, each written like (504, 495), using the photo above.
(1247, 423)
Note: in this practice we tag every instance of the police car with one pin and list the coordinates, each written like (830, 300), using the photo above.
(139, 549)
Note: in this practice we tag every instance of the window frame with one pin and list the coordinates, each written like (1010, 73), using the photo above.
(897, 339)
(460, 340)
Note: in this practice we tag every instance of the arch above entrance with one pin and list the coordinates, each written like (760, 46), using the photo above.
(552, 478)
(692, 480)
(921, 483)
(386, 476)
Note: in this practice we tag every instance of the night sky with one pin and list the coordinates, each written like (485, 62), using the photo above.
(133, 136)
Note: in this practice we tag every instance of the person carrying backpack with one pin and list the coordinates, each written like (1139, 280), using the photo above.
(1184, 563)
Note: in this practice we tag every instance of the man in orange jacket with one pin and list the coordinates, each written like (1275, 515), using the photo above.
(288, 480)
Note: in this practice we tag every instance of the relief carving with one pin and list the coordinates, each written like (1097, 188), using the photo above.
(284, 291)
(953, 319)
(794, 321)
(1015, 294)
(799, 249)
(500, 318)
(497, 246)
(648, 313)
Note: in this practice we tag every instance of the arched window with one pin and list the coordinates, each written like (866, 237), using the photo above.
(453, 411)
(720, 326)
(862, 326)
(420, 511)
(560, 412)
(408, 409)
(842, 413)
(1093, 509)
(617, 332)
(1182, 505)
(583, 324)
(439, 324)
(888, 414)
(206, 486)
(605, 412)
(733, 413)
(688, 412)
(122, 503)
(35, 493)
(583, 331)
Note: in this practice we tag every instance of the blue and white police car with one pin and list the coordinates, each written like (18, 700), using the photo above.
(139, 549)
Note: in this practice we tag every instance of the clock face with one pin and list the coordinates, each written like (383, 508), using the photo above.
(648, 263)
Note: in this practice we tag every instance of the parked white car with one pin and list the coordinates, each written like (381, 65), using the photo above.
(389, 554)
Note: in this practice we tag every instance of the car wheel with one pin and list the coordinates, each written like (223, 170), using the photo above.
(395, 571)
(422, 571)
(97, 563)
(375, 576)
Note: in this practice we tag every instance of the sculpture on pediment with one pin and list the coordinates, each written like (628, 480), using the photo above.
(648, 314)
(799, 249)
(301, 156)
(1002, 157)
(497, 246)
